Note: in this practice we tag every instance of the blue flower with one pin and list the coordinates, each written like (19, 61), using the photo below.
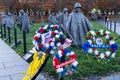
(50, 48)
(115, 46)
(58, 29)
(86, 46)
(38, 31)
(43, 49)
(57, 56)
(74, 67)
(63, 72)
(66, 51)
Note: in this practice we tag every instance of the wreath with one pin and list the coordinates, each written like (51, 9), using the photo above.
(58, 66)
(48, 38)
(100, 39)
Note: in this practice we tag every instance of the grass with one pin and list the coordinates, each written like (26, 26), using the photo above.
(88, 64)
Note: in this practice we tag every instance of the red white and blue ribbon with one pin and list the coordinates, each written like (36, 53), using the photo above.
(59, 66)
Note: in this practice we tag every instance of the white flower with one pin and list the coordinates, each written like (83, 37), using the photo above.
(53, 39)
(101, 32)
(60, 53)
(108, 53)
(45, 27)
(71, 53)
(33, 42)
(56, 31)
(51, 26)
(93, 33)
(113, 55)
(107, 36)
(37, 35)
(107, 32)
(47, 45)
(37, 47)
(52, 44)
(52, 52)
(58, 44)
(57, 36)
(102, 56)
(96, 52)
(43, 53)
(59, 70)
(68, 54)
(90, 51)
(33, 49)
(61, 33)
(54, 47)
(112, 42)
(75, 63)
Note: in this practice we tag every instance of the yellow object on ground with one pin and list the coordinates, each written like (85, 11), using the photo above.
(34, 66)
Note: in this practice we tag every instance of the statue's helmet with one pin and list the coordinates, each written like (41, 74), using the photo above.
(65, 9)
(21, 11)
(77, 5)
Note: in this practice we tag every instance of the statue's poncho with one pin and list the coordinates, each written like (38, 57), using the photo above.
(77, 27)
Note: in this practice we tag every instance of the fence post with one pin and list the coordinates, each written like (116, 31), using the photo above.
(4, 31)
(110, 25)
(9, 38)
(107, 24)
(115, 26)
(24, 42)
(15, 36)
(1, 31)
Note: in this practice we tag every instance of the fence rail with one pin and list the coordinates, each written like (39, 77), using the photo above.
(111, 25)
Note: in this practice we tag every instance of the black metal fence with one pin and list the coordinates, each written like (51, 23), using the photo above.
(5, 33)
(111, 25)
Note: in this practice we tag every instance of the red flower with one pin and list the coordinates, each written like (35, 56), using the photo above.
(98, 33)
(55, 26)
(62, 51)
(89, 37)
(111, 37)
(94, 49)
(105, 56)
(97, 55)
(112, 50)
(59, 40)
(73, 56)
(104, 34)
(47, 51)
(42, 30)
(36, 38)
(53, 33)
(92, 42)
(56, 61)
(41, 45)
(50, 41)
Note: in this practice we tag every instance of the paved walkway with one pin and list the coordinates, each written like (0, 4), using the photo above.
(12, 66)
(117, 77)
